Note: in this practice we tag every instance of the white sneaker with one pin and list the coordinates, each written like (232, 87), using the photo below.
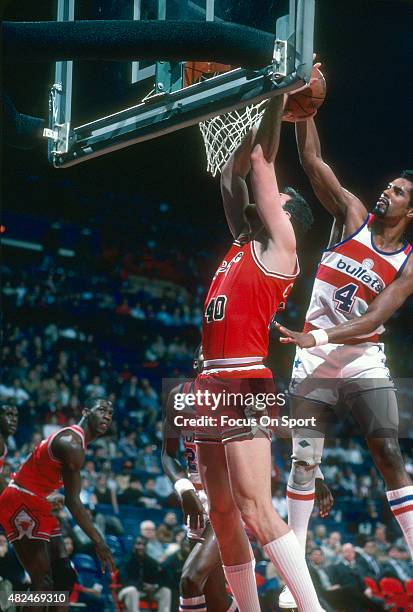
(286, 600)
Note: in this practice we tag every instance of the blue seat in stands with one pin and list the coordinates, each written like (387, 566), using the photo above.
(84, 562)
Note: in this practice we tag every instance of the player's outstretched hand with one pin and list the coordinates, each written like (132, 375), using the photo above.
(292, 337)
(193, 510)
(323, 497)
(105, 556)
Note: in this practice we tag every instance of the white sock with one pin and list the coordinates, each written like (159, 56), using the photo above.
(289, 561)
(189, 604)
(300, 505)
(241, 579)
(401, 504)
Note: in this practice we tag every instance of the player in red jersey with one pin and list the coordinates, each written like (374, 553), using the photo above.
(360, 283)
(202, 580)
(252, 282)
(8, 426)
(26, 513)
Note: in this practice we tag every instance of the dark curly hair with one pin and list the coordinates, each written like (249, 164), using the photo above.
(300, 211)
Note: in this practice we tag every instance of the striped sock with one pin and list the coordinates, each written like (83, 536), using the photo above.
(241, 579)
(288, 559)
(401, 504)
(189, 604)
(300, 505)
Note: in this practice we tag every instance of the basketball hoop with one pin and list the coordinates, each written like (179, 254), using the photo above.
(223, 133)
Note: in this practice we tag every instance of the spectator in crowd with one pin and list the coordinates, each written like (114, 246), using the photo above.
(339, 588)
(280, 503)
(142, 577)
(332, 548)
(132, 494)
(128, 446)
(380, 539)
(367, 561)
(149, 498)
(148, 460)
(397, 565)
(153, 547)
(12, 575)
(348, 575)
(95, 388)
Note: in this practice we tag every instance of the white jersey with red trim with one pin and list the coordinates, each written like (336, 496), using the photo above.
(350, 276)
(242, 299)
(188, 441)
(3, 459)
(41, 473)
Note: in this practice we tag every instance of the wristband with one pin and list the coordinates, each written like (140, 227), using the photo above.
(320, 336)
(182, 485)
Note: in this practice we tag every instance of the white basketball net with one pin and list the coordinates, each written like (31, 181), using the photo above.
(223, 133)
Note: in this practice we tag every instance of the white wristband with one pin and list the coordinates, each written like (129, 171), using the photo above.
(320, 336)
(182, 485)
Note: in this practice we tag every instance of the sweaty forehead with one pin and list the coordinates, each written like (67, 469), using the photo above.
(403, 183)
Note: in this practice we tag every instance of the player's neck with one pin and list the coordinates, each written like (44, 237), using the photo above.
(89, 437)
(388, 237)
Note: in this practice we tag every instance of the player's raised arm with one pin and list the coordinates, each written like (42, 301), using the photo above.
(264, 182)
(379, 311)
(234, 189)
(71, 454)
(342, 204)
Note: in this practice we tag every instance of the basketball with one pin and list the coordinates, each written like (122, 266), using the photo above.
(305, 103)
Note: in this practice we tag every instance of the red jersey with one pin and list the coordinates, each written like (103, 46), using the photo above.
(243, 297)
(41, 473)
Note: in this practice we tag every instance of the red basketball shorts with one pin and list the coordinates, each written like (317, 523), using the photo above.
(230, 406)
(22, 514)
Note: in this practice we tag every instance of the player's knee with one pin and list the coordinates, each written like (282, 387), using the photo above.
(305, 460)
(64, 575)
(302, 475)
(253, 511)
(222, 517)
(41, 577)
(192, 581)
(386, 453)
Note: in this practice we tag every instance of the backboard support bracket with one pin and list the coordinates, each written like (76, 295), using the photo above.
(173, 106)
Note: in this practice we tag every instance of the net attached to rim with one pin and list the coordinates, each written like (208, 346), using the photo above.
(223, 133)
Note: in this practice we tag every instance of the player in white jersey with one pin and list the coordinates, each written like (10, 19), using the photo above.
(202, 585)
(8, 426)
(361, 281)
